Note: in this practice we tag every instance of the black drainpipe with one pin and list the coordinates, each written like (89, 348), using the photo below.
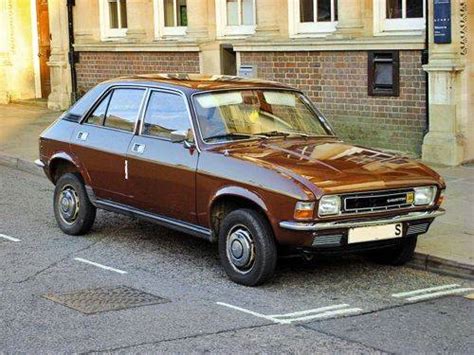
(72, 55)
(425, 60)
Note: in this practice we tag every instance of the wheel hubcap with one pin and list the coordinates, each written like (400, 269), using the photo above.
(68, 204)
(240, 249)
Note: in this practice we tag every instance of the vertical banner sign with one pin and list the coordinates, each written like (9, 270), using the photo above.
(442, 21)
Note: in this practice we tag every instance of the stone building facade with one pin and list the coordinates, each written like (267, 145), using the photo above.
(360, 61)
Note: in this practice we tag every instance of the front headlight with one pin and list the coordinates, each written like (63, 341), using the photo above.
(424, 195)
(329, 205)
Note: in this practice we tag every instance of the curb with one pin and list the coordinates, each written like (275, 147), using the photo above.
(21, 164)
(420, 260)
(442, 266)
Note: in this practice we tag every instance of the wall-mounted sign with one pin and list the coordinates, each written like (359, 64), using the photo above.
(442, 21)
(248, 71)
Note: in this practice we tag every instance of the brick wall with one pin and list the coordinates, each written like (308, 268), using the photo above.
(337, 84)
(94, 67)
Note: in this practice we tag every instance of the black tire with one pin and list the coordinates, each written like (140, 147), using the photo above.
(237, 227)
(73, 221)
(399, 255)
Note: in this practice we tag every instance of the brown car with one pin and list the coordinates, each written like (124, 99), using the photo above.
(252, 165)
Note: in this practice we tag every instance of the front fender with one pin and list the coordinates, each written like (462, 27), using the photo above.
(239, 192)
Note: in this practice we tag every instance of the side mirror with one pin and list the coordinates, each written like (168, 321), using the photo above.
(183, 136)
(178, 136)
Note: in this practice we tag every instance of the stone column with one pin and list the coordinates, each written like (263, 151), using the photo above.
(140, 20)
(450, 137)
(199, 19)
(268, 17)
(86, 21)
(60, 97)
(5, 62)
(350, 23)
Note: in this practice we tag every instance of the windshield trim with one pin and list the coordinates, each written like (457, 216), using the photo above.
(307, 101)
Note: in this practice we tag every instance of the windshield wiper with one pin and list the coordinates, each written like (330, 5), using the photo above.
(272, 134)
(229, 135)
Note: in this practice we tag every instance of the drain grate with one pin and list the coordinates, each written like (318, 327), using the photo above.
(104, 299)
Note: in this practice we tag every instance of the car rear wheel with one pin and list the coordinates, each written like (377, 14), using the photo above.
(73, 210)
(247, 247)
(399, 255)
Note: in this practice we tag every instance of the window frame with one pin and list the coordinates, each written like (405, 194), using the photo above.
(298, 29)
(106, 32)
(395, 90)
(161, 30)
(400, 26)
(104, 95)
(147, 103)
(225, 30)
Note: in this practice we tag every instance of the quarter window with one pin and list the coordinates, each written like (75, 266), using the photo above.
(123, 109)
(165, 113)
(399, 16)
(97, 117)
(113, 18)
(171, 17)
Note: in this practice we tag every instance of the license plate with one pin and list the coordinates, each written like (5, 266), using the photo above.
(373, 233)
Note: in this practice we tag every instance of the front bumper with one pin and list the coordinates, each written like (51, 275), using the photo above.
(322, 226)
(39, 163)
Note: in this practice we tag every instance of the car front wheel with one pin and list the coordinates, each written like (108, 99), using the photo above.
(247, 247)
(73, 210)
(399, 255)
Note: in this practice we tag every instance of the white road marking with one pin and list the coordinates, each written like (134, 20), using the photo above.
(439, 294)
(309, 311)
(11, 239)
(328, 314)
(248, 311)
(100, 265)
(424, 290)
(287, 318)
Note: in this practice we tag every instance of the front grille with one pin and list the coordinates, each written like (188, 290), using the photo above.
(377, 201)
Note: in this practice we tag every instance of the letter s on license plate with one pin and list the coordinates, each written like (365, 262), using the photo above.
(373, 233)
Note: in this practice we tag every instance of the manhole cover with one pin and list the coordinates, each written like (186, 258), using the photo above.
(105, 299)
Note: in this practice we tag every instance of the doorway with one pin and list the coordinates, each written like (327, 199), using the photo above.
(44, 46)
(229, 60)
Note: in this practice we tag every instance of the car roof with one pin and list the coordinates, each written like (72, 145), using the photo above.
(197, 82)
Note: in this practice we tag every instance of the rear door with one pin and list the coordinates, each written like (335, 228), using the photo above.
(102, 140)
(162, 173)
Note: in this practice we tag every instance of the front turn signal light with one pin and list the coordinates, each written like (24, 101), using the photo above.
(441, 198)
(304, 210)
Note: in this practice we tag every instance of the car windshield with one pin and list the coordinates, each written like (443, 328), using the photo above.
(244, 114)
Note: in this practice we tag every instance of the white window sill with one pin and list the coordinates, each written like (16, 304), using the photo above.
(166, 32)
(237, 31)
(114, 35)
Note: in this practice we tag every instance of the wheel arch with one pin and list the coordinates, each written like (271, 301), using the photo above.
(230, 198)
(61, 163)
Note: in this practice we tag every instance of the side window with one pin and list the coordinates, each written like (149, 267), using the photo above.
(165, 113)
(123, 109)
(97, 116)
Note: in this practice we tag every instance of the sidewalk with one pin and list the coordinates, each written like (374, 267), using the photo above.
(447, 248)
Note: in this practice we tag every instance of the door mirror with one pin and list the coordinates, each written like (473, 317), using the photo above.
(183, 136)
(178, 136)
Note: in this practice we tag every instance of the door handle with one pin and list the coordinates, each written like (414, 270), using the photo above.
(138, 148)
(82, 136)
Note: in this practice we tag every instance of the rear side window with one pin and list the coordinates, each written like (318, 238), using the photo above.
(98, 115)
(165, 113)
(123, 108)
